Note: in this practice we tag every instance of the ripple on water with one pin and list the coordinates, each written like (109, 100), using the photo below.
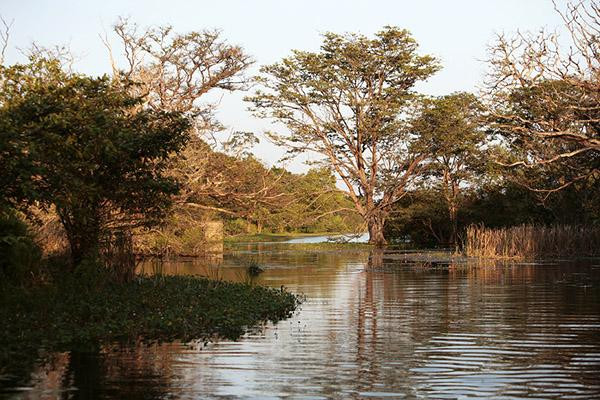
(376, 331)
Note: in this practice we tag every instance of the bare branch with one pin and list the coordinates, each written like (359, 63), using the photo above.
(4, 37)
(544, 97)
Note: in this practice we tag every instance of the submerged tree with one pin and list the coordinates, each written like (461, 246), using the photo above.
(345, 103)
(96, 154)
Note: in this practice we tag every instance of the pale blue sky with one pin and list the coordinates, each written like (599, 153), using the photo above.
(455, 31)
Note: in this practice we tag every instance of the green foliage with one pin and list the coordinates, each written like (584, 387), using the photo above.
(422, 219)
(19, 254)
(88, 147)
(179, 234)
(238, 226)
(345, 103)
(84, 310)
(450, 131)
(550, 129)
(253, 198)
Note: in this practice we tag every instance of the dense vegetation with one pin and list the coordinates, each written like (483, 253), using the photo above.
(414, 167)
(422, 216)
(96, 155)
(251, 198)
(82, 311)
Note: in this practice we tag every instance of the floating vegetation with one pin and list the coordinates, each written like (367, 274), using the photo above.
(82, 312)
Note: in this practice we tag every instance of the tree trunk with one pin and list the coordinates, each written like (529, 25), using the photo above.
(83, 245)
(454, 224)
(375, 224)
(83, 234)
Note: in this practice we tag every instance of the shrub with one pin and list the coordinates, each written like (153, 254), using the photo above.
(19, 254)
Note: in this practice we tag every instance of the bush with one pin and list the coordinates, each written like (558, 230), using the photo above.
(19, 254)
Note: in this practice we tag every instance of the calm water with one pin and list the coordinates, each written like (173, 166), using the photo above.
(372, 326)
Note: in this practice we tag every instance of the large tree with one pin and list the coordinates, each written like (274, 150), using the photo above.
(178, 72)
(345, 103)
(175, 71)
(544, 97)
(91, 150)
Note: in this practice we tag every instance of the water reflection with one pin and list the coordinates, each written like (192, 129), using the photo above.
(373, 325)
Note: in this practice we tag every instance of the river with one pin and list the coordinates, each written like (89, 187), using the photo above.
(373, 325)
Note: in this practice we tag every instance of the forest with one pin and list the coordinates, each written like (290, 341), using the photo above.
(100, 172)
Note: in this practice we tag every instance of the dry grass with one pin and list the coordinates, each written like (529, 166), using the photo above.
(48, 232)
(531, 241)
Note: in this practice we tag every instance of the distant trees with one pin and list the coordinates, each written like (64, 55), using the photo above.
(89, 148)
(243, 188)
(345, 103)
(450, 132)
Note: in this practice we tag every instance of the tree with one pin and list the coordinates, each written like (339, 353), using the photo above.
(450, 130)
(345, 103)
(175, 71)
(98, 156)
(4, 36)
(545, 98)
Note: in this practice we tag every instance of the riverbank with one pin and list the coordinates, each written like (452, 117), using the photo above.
(81, 312)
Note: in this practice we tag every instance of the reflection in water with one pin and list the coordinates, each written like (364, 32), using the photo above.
(372, 325)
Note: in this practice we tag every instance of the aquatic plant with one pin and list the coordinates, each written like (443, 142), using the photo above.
(253, 268)
(83, 310)
(533, 241)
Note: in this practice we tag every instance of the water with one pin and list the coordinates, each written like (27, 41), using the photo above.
(359, 238)
(372, 326)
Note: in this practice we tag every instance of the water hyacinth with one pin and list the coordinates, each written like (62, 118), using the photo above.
(82, 313)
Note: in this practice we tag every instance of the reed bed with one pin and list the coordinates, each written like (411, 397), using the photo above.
(533, 241)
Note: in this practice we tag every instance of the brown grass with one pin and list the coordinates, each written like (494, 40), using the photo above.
(533, 241)
(48, 232)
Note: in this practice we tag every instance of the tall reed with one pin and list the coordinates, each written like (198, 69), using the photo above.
(533, 241)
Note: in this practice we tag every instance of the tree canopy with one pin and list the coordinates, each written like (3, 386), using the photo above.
(545, 98)
(450, 131)
(345, 103)
(89, 148)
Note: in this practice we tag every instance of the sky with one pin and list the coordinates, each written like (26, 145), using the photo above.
(455, 31)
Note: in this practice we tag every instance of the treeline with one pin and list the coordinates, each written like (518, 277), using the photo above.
(252, 198)
(113, 165)
(125, 156)
(100, 162)
(526, 148)
(249, 198)
(422, 216)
